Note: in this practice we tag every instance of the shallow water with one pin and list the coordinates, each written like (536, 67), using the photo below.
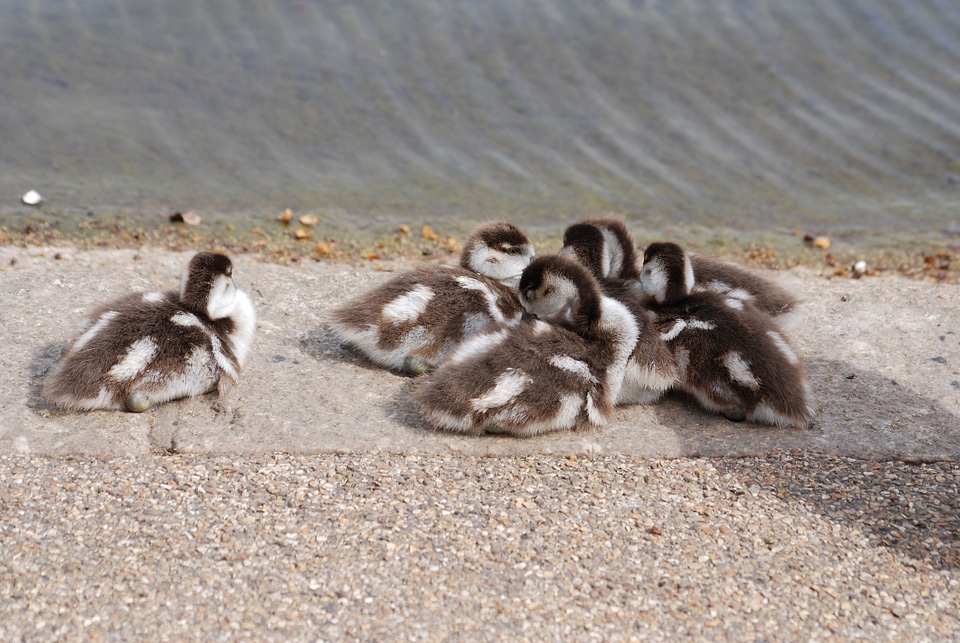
(734, 115)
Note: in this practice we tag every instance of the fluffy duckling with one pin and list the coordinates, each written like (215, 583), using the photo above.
(612, 254)
(561, 371)
(409, 323)
(732, 357)
(149, 348)
(605, 248)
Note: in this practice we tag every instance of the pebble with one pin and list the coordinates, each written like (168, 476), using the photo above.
(425, 547)
(32, 198)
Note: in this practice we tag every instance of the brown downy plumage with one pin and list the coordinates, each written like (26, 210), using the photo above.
(732, 357)
(412, 321)
(149, 348)
(561, 371)
(605, 248)
(613, 255)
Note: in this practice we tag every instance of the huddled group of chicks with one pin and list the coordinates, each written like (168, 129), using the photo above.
(506, 342)
(517, 344)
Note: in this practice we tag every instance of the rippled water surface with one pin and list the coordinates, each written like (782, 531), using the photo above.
(735, 114)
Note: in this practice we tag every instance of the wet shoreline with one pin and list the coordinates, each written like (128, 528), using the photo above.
(335, 236)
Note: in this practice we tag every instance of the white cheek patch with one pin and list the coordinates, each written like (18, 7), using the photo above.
(653, 279)
(138, 357)
(222, 297)
(739, 370)
(612, 254)
(688, 280)
(508, 385)
(245, 323)
(102, 322)
(558, 304)
(575, 366)
(498, 265)
(153, 297)
(784, 347)
(469, 283)
(409, 306)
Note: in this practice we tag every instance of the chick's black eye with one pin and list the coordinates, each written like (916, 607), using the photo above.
(512, 251)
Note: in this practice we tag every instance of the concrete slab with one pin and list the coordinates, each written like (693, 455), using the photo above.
(883, 355)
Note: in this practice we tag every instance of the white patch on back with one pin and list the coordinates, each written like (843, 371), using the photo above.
(474, 323)
(221, 359)
(469, 283)
(700, 324)
(153, 297)
(138, 357)
(739, 370)
(672, 334)
(716, 286)
(410, 305)
(784, 347)
(593, 413)
(187, 319)
(566, 417)
(477, 345)
(540, 327)
(734, 303)
(102, 322)
(575, 366)
(509, 384)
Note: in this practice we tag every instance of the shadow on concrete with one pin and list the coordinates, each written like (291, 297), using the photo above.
(42, 363)
(914, 510)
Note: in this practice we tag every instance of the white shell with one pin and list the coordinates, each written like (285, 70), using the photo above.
(32, 198)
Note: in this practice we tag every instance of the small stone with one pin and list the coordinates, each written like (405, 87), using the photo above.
(860, 268)
(821, 242)
(32, 198)
(286, 217)
(191, 217)
(309, 219)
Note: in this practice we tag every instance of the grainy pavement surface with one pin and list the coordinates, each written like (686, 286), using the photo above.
(313, 503)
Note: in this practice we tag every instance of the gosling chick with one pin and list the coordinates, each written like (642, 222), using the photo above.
(733, 358)
(561, 371)
(409, 323)
(149, 348)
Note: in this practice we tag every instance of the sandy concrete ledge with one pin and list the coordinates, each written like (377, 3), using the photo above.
(883, 355)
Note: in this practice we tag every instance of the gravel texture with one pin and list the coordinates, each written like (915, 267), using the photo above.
(454, 547)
